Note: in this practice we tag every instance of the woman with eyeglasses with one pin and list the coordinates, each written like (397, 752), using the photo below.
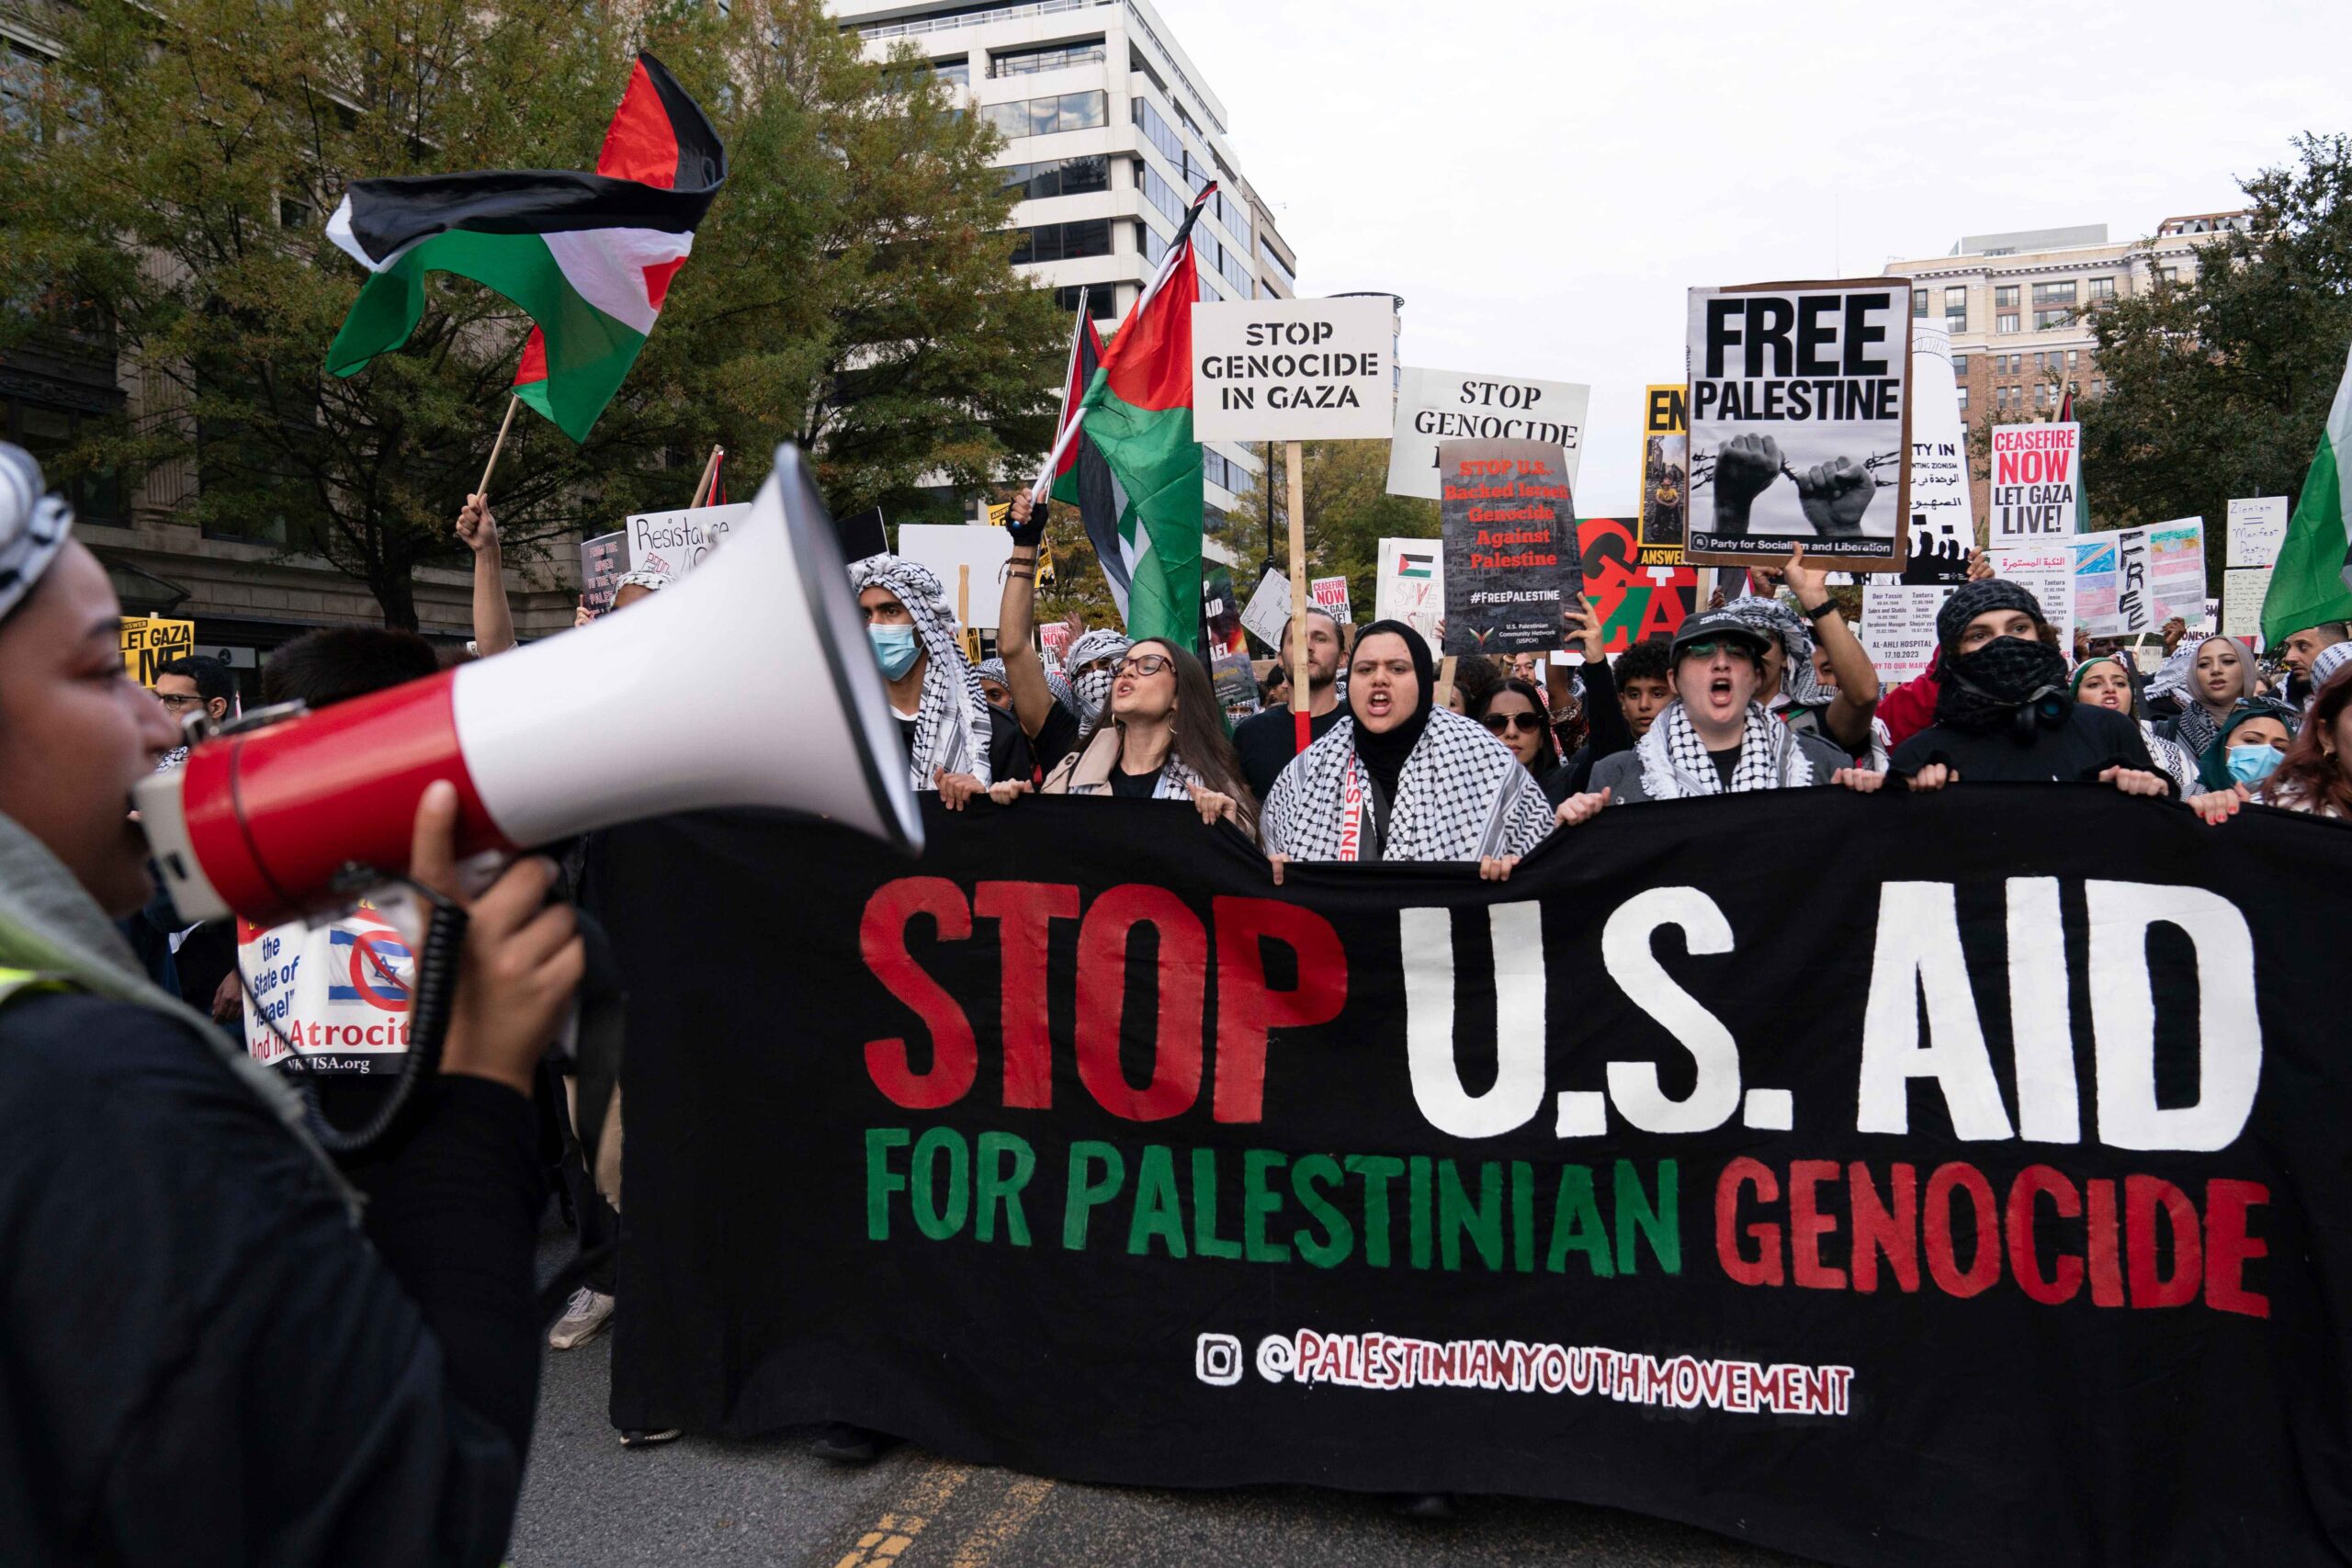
(1159, 736)
(1513, 713)
(1402, 779)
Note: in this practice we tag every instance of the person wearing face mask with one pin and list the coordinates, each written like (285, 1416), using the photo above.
(1715, 738)
(2107, 682)
(2004, 708)
(1401, 779)
(1161, 737)
(1093, 663)
(956, 743)
(2316, 773)
(2219, 676)
(2247, 746)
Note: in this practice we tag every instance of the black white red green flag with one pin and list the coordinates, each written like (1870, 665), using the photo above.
(589, 258)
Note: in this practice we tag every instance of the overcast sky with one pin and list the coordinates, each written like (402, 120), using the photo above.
(1542, 179)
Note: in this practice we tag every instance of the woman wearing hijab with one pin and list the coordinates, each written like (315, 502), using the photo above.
(2250, 755)
(2107, 682)
(1402, 779)
(1513, 713)
(2314, 776)
(2006, 710)
(1161, 737)
(2218, 677)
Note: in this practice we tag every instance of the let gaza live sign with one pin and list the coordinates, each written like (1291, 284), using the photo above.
(1294, 369)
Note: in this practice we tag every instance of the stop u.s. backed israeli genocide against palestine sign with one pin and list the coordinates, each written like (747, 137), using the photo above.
(1512, 561)
(1893, 1206)
(1799, 417)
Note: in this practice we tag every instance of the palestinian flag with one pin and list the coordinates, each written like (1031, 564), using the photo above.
(1082, 477)
(2312, 581)
(588, 257)
(1137, 416)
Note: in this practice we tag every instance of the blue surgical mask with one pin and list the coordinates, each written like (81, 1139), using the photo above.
(896, 648)
(2252, 765)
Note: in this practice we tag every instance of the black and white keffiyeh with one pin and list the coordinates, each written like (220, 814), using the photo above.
(1460, 796)
(952, 723)
(1092, 687)
(1799, 684)
(1675, 764)
(2177, 761)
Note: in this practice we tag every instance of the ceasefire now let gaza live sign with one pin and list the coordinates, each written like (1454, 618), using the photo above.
(1294, 369)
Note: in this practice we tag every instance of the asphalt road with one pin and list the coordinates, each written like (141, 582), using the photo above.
(588, 1502)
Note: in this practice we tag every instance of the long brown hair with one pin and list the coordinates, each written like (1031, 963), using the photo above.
(2310, 776)
(1196, 731)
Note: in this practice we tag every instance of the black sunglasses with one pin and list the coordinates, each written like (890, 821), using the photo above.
(1498, 722)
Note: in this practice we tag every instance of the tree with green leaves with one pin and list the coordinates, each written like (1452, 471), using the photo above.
(2219, 387)
(169, 174)
(1344, 485)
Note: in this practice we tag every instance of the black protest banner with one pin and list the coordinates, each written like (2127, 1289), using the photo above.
(1800, 416)
(1512, 562)
(1973, 1193)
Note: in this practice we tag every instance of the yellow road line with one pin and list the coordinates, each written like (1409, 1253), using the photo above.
(891, 1534)
(1004, 1523)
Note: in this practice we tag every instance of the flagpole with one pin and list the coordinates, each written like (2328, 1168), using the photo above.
(709, 469)
(1302, 717)
(483, 490)
(1077, 337)
(1167, 269)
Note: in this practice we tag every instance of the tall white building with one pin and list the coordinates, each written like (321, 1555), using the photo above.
(1109, 131)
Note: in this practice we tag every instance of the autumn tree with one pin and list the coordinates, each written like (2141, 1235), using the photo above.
(169, 175)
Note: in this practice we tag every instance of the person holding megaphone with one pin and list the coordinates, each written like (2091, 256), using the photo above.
(208, 1352)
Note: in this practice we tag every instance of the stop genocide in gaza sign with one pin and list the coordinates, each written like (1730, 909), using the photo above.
(1294, 369)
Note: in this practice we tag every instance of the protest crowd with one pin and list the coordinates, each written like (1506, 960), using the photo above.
(355, 1318)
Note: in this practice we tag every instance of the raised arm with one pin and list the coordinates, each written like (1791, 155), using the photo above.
(1848, 720)
(493, 622)
(1024, 672)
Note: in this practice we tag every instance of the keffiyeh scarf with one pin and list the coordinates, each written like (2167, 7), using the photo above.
(1798, 682)
(1092, 687)
(952, 722)
(1675, 764)
(1460, 796)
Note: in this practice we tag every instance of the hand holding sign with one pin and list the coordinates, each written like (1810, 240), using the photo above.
(1835, 495)
(1747, 465)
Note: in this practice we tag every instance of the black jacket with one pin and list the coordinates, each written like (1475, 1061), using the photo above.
(203, 1360)
(2090, 740)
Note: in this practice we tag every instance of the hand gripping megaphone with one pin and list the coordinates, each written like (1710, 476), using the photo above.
(750, 682)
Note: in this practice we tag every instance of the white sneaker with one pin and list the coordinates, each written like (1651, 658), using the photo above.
(584, 1317)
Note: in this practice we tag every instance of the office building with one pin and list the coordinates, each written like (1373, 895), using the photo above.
(2019, 306)
(1109, 130)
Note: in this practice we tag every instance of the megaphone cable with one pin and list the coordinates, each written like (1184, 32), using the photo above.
(432, 998)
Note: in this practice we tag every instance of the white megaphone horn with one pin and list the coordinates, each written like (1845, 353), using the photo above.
(750, 682)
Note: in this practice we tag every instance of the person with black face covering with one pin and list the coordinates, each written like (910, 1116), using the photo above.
(2006, 711)
(1400, 778)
